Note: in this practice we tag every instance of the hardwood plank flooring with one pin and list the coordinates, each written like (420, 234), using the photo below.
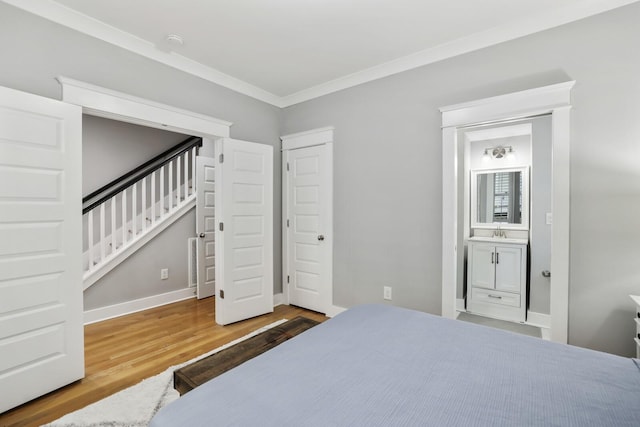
(122, 352)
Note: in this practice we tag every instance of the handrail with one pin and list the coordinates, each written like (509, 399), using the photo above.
(105, 192)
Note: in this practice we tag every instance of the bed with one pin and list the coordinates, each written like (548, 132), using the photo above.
(377, 365)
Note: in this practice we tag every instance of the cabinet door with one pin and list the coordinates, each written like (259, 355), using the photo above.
(482, 266)
(508, 269)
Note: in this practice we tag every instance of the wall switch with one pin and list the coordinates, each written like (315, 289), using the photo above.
(387, 292)
(164, 274)
(549, 218)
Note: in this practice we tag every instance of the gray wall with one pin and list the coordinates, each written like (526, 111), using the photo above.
(41, 50)
(540, 244)
(111, 148)
(139, 275)
(388, 152)
(388, 166)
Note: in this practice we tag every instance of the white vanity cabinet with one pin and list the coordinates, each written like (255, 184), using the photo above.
(497, 278)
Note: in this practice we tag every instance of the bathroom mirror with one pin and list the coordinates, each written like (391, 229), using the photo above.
(500, 198)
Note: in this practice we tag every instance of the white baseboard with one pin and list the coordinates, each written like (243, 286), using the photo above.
(278, 299)
(117, 310)
(334, 310)
(540, 320)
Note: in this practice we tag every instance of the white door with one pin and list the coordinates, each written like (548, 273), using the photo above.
(244, 239)
(206, 226)
(309, 230)
(41, 325)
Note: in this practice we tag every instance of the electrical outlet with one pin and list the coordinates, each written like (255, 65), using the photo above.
(164, 274)
(549, 218)
(387, 292)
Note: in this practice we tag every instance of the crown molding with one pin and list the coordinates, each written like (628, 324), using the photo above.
(70, 18)
(477, 41)
(63, 15)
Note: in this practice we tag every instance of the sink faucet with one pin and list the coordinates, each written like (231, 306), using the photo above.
(499, 233)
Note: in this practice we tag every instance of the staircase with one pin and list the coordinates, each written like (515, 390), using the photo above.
(122, 216)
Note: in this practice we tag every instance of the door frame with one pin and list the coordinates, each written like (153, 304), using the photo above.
(102, 102)
(315, 137)
(554, 100)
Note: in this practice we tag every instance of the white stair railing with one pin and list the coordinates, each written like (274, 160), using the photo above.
(118, 223)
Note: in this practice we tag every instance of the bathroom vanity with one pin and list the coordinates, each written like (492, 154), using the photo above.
(497, 277)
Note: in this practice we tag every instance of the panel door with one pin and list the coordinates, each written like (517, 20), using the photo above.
(309, 231)
(206, 226)
(508, 269)
(41, 325)
(482, 266)
(244, 240)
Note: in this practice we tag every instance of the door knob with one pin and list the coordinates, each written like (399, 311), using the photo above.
(320, 237)
(546, 273)
(201, 235)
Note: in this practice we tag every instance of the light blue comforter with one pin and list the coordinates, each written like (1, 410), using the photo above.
(377, 365)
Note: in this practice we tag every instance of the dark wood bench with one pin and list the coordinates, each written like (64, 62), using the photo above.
(191, 376)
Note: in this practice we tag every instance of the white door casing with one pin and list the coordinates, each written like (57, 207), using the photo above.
(553, 99)
(308, 219)
(205, 226)
(244, 237)
(41, 325)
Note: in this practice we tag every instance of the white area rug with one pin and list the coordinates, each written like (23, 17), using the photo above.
(136, 405)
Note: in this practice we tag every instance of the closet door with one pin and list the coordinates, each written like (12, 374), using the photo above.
(41, 319)
(309, 237)
(244, 236)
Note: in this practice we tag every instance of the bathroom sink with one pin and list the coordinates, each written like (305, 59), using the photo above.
(492, 239)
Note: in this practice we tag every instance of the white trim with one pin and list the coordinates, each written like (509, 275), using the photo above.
(278, 299)
(554, 99)
(540, 320)
(87, 25)
(512, 105)
(129, 307)
(102, 102)
(334, 310)
(63, 15)
(92, 276)
(308, 138)
(460, 305)
(513, 30)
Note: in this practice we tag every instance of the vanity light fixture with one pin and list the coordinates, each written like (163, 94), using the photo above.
(498, 152)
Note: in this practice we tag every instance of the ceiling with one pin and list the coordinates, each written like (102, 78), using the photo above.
(288, 51)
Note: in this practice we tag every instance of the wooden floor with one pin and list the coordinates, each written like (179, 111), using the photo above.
(123, 351)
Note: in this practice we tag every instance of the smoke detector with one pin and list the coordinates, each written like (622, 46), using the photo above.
(174, 40)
